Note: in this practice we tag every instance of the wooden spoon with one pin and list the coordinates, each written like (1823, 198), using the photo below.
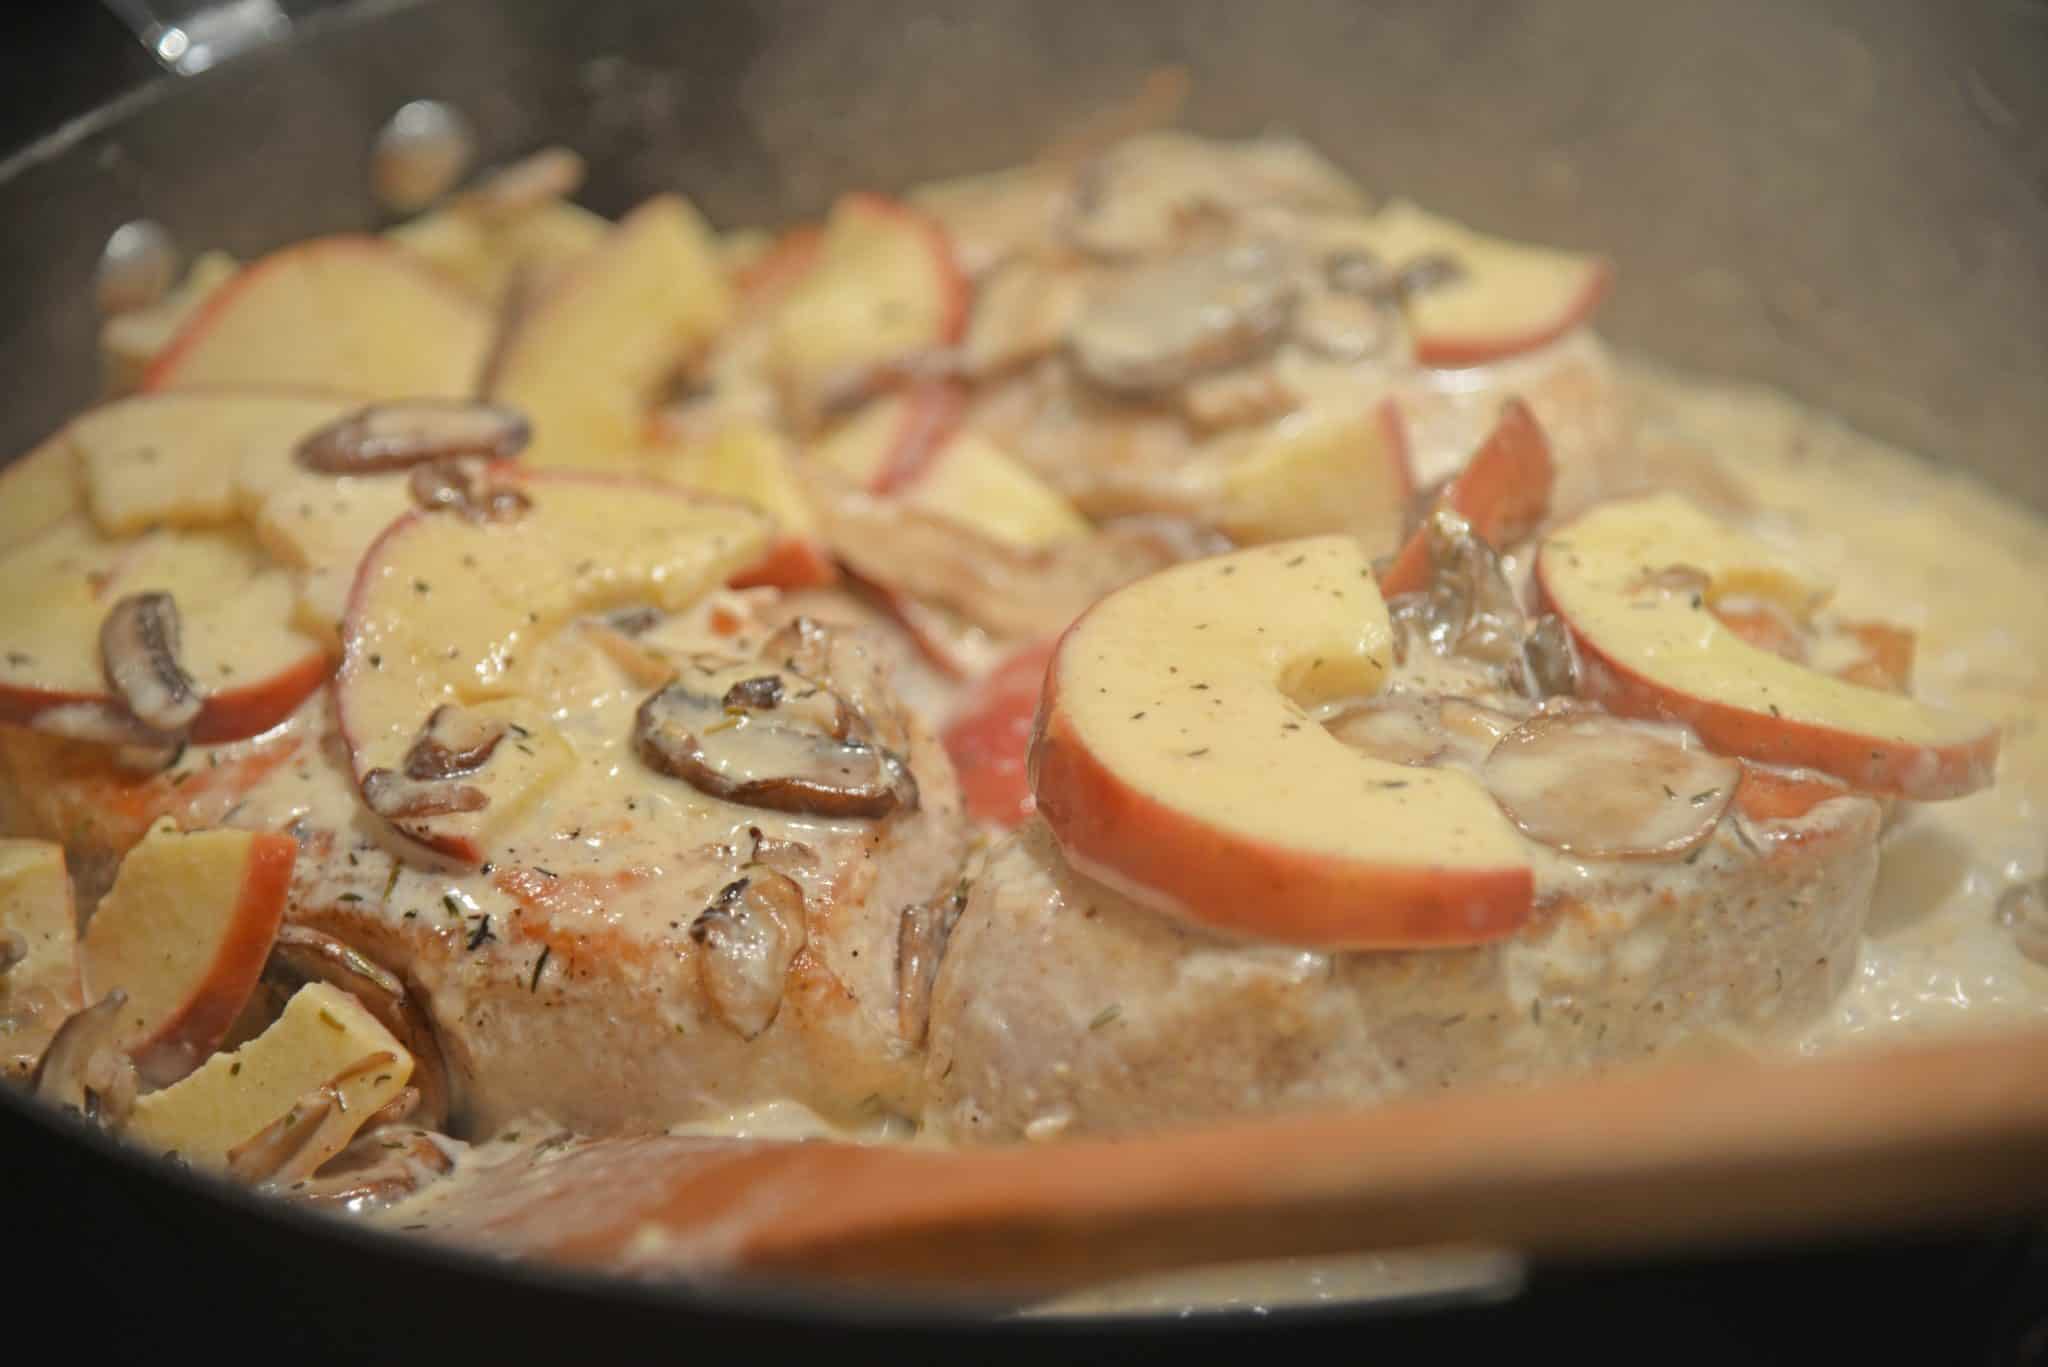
(1626, 1163)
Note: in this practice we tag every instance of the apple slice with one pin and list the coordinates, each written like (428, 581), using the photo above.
(989, 741)
(174, 460)
(324, 1037)
(1503, 492)
(1329, 473)
(1625, 578)
(1505, 297)
(748, 460)
(130, 342)
(37, 490)
(445, 609)
(1176, 762)
(584, 364)
(184, 931)
(319, 525)
(39, 988)
(890, 440)
(485, 252)
(974, 483)
(884, 289)
(251, 668)
(346, 314)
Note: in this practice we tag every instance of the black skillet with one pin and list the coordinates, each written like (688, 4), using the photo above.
(1875, 176)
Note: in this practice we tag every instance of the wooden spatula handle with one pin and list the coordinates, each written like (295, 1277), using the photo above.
(1685, 1154)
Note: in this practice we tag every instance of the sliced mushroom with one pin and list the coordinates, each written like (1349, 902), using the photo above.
(1236, 398)
(1167, 322)
(454, 742)
(85, 1069)
(1359, 273)
(403, 433)
(1425, 273)
(1345, 327)
(784, 856)
(451, 486)
(761, 693)
(747, 937)
(921, 938)
(1594, 785)
(1476, 722)
(811, 761)
(301, 955)
(139, 656)
(395, 797)
(1398, 728)
(13, 949)
(295, 1145)
(2023, 910)
(378, 1167)
(147, 761)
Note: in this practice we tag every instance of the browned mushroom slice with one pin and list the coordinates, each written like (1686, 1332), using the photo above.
(776, 758)
(1425, 273)
(381, 1165)
(139, 656)
(1344, 327)
(302, 955)
(395, 797)
(1402, 729)
(1475, 722)
(455, 741)
(746, 938)
(1165, 323)
(451, 486)
(921, 938)
(1599, 786)
(292, 1147)
(85, 1069)
(408, 432)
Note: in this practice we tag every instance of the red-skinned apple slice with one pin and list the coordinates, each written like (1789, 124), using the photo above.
(38, 490)
(346, 314)
(1653, 647)
(445, 608)
(252, 667)
(1175, 761)
(324, 1047)
(176, 459)
(40, 988)
(890, 440)
(584, 363)
(990, 740)
(1346, 472)
(883, 289)
(973, 482)
(1506, 297)
(1503, 492)
(750, 461)
(185, 931)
